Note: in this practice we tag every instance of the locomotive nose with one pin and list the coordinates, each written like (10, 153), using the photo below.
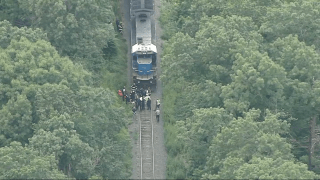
(143, 49)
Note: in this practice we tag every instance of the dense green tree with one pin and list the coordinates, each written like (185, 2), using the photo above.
(45, 101)
(179, 60)
(217, 38)
(10, 10)
(184, 16)
(209, 55)
(302, 86)
(16, 120)
(24, 67)
(78, 29)
(197, 133)
(298, 18)
(268, 168)
(38, 63)
(18, 162)
(196, 96)
(102, 126)
(56, 135)
(98, 123)
(257, 82)
(54, 99)
(233, 48)
(257, 10)
(9, 33)
(244, 139)
(301, 63)
(263, 168)
(171, 12)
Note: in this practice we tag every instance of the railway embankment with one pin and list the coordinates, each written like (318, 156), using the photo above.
(141, 163)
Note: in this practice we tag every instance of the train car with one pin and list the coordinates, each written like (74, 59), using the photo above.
(143, 48)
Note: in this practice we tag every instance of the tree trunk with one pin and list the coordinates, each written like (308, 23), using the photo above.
(312, 125)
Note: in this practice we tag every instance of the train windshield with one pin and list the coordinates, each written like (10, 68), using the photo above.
(144, 56)
(144, 59)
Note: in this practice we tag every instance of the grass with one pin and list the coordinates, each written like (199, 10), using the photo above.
(115, 73)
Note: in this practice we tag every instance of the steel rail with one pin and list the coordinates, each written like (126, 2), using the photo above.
(140, 148)
(152, 143)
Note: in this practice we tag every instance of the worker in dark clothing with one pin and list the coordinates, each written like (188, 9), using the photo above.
(117, 22)
(127, 99)
(139, 103)
(132, 95)
(144, 93)
(133, 87)
(149, 91)
(136, 104)
(143, 103)
(149, 104)
(141, 92)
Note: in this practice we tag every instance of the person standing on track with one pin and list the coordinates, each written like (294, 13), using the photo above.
(143, 103)
(133, 87)
(132, 95)
(144, 93)
(149, 91)
(141, 92)
(140, 100)
(158, 114)
(157, 104)
(139, 103)
(149, 104)
(127, 99)
(134, 109)
(147, 97)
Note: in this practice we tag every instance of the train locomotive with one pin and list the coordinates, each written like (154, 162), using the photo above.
(143, 48)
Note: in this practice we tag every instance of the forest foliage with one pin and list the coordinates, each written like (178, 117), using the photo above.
(58, 117)
(241, 88)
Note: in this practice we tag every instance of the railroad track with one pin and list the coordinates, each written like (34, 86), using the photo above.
(146, 145)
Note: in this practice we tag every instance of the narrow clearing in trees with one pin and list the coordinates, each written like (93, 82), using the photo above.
(160, 154)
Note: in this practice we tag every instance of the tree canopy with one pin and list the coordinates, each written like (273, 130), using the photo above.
(54, 122)
(18, 162)
(78, 29)
(241, 88)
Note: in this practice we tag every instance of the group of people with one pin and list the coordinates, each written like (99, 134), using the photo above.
(139, 98)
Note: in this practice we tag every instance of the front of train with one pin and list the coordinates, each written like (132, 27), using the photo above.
(143, 50)
(144, 59)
